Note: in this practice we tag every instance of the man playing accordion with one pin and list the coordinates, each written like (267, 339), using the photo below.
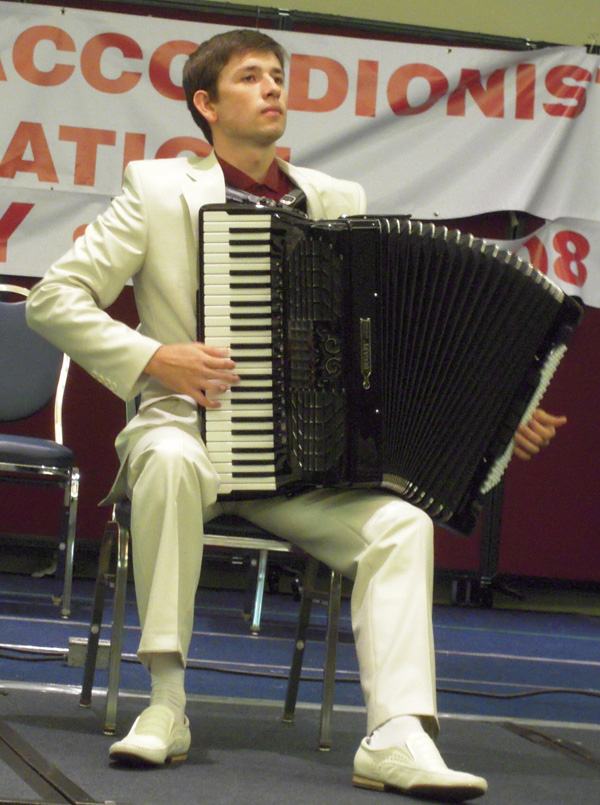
(235, 88)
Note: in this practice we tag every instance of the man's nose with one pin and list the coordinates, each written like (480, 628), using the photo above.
(271, 87)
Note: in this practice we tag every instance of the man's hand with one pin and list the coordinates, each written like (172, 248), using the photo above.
(537, 433)
(194, 369)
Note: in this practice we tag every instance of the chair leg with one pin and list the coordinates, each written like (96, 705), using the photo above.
(116, 635)
(73, 492)
(289, 708)
(250, 564)
(261, 576)
(333, 623)
(103, 579)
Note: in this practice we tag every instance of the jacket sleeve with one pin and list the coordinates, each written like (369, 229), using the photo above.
(67, 306)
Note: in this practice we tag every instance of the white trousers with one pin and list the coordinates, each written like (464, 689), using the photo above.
(381, 542)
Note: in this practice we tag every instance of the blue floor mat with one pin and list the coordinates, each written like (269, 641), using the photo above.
(502, 664)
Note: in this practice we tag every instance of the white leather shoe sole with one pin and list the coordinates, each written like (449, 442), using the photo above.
(416, 768)
(154, 739)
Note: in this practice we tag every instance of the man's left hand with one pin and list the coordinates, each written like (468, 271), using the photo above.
(537, 433)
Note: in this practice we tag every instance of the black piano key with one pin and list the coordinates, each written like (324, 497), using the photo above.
(240, 474)
(246, 255)
(235, 450)
(249, 432)
(250, 402)
(250, 462)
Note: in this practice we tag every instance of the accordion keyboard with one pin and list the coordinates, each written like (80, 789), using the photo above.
(238, 315)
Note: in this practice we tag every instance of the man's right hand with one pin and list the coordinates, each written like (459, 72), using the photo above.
(194, 369)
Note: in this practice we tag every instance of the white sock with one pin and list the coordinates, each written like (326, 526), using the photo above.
(395, 732)
(167, 673)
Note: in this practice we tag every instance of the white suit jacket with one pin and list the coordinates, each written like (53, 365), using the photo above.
(149, 235)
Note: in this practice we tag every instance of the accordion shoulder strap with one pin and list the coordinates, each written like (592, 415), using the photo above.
(291, 200)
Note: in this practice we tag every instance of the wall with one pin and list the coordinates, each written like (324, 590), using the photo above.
(574, 23)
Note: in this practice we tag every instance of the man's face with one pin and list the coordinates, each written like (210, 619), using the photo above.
(251, 102)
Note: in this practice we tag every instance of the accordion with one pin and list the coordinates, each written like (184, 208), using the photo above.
(373, 351)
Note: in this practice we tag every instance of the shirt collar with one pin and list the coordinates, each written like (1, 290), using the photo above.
(275, 181)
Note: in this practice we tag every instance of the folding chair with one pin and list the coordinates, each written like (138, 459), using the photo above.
(229, 532)
(32, 373)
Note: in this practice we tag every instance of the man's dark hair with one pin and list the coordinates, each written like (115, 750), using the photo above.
(203, 67)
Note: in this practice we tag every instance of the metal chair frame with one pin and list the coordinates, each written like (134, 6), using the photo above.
(50, 475)
(217, 533)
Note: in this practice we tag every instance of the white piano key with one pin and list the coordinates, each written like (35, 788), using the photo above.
(215, 218)
(218, 280)
(243, 368)
(215, 341)
(231, 484)
(253, 385)
(227, 445)
(244, 398)
(249, 350)
(263, 469)
(223, 435)
(221, 259)
(222, 455)
(229, 409)
(247, 392)
(248, 373)
(251, 339)
(229, 425)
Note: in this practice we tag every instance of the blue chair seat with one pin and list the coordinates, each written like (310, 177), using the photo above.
(37, 452)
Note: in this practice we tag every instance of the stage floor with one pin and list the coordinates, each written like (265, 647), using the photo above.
(518, 691)
(242, 753)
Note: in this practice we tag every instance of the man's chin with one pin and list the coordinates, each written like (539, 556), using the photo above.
(268, 138)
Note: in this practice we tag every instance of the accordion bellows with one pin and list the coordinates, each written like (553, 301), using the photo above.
(373, 351)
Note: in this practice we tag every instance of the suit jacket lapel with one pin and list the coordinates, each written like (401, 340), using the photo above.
(202, 184)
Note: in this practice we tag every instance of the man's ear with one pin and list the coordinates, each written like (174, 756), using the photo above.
(205, 106)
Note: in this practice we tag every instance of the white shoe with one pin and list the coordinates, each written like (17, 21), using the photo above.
(414, 768)
(154, 739)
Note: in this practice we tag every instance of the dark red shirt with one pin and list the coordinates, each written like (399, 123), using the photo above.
(276, 183)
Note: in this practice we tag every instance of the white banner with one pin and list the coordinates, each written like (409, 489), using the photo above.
(437, 132)
(567, 251)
